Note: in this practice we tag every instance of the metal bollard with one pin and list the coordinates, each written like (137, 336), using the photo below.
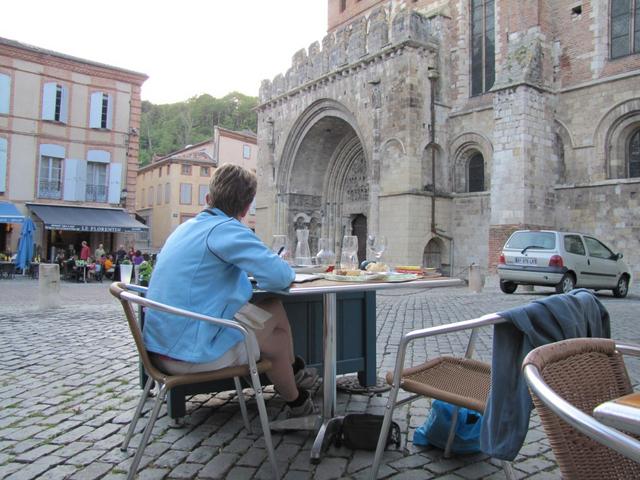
(49, 286)
(476, 279)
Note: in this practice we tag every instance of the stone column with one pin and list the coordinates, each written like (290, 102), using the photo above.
(523, 172)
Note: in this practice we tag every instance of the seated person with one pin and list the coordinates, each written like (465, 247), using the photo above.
(108, 266)
(208, 257)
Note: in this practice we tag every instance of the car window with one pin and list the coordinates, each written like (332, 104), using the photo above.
(538, 240)
(597, 248)
(573, 244)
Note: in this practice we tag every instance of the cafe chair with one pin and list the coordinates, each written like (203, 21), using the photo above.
(127, 294)
(567, 380)
(461, 381)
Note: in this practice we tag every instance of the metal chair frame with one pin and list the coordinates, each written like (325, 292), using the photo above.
(473, 324)
(584, 423)
(123, 292)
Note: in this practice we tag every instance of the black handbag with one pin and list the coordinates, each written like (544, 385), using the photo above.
(360, 431)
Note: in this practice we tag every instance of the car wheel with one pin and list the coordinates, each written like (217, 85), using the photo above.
(508, 287)
(567, 284)
(622, 288)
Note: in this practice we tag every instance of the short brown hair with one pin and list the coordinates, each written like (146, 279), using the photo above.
(232, 188)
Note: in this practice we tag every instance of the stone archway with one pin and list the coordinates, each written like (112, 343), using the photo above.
(323, 173)
(432, 256)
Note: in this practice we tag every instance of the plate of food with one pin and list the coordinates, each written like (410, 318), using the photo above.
(352, 276)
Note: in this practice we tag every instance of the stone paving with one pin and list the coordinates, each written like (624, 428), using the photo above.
(69, 384)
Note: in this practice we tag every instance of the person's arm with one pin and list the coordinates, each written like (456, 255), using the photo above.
(236, 244)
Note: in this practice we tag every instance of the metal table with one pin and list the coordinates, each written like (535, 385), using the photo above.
(622, 413)
(329, 423)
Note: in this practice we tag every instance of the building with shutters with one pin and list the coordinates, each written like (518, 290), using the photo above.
(68, 149)
(448, 124)
(171, 189)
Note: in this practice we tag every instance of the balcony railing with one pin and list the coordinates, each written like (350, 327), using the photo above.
(50, 189)
(96, 193)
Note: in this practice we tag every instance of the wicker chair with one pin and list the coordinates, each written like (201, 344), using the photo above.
(568, 379)
(166, 381)
(461, 381)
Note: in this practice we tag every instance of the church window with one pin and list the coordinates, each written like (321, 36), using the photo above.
(476, 173)
(482, 46)
(625, 27)
(634, 155)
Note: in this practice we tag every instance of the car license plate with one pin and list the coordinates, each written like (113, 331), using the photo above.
(526, 260)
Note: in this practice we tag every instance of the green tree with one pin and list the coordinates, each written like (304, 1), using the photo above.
(170, 127)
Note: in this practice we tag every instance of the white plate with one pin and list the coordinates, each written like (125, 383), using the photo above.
(353, 278)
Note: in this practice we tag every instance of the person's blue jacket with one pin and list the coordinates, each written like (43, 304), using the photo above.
(506, 418)
(203, 267)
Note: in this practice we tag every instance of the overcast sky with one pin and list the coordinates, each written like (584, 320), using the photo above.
(187, 48)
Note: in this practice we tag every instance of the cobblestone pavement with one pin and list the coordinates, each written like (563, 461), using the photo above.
(69, 384)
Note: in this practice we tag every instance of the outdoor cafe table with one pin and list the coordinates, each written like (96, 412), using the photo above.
(622, 413)
(329, 423)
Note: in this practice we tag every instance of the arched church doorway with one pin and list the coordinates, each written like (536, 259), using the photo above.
(323, 176)
(432, 256)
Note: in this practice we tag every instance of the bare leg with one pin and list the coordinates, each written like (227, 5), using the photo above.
(276, 345)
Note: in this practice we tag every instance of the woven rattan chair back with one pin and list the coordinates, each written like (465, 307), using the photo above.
(585, 372)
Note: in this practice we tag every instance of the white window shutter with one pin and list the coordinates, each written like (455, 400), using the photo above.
(115, 182)
(70, 178)
(49, 101)
(95, 114)
(3, 165)
(81, 180)
(5, 93)
(64, 105)
(109, 111)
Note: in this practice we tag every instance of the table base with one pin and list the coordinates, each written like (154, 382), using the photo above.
(325, 437)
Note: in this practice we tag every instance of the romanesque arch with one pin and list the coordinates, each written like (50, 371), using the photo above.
(463, 148)
(322, 173)
(612, 136)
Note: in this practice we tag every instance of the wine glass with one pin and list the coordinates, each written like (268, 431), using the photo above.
(280, 246)
(377, 244)
(325, 254)
(349, 254)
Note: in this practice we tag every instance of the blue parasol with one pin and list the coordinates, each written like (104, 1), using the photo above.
(25, 245)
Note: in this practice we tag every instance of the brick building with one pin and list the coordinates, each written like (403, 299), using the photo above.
(447, 124)
(68, 148)
(172, 188)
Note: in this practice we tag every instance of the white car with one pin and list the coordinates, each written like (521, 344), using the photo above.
(562, 260)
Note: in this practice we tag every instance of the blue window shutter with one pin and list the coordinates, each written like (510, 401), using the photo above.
(49, 101)
(115, 182)
(5, 93)
(100, 156)
(64, 105)
(109, 111)
(51, 150)
(70, 178)
(3, 165)
(95, 114)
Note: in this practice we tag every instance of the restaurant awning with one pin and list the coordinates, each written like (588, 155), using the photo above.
(81, 219)
(9, 213)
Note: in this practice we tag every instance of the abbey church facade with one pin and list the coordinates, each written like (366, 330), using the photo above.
(447, 124)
